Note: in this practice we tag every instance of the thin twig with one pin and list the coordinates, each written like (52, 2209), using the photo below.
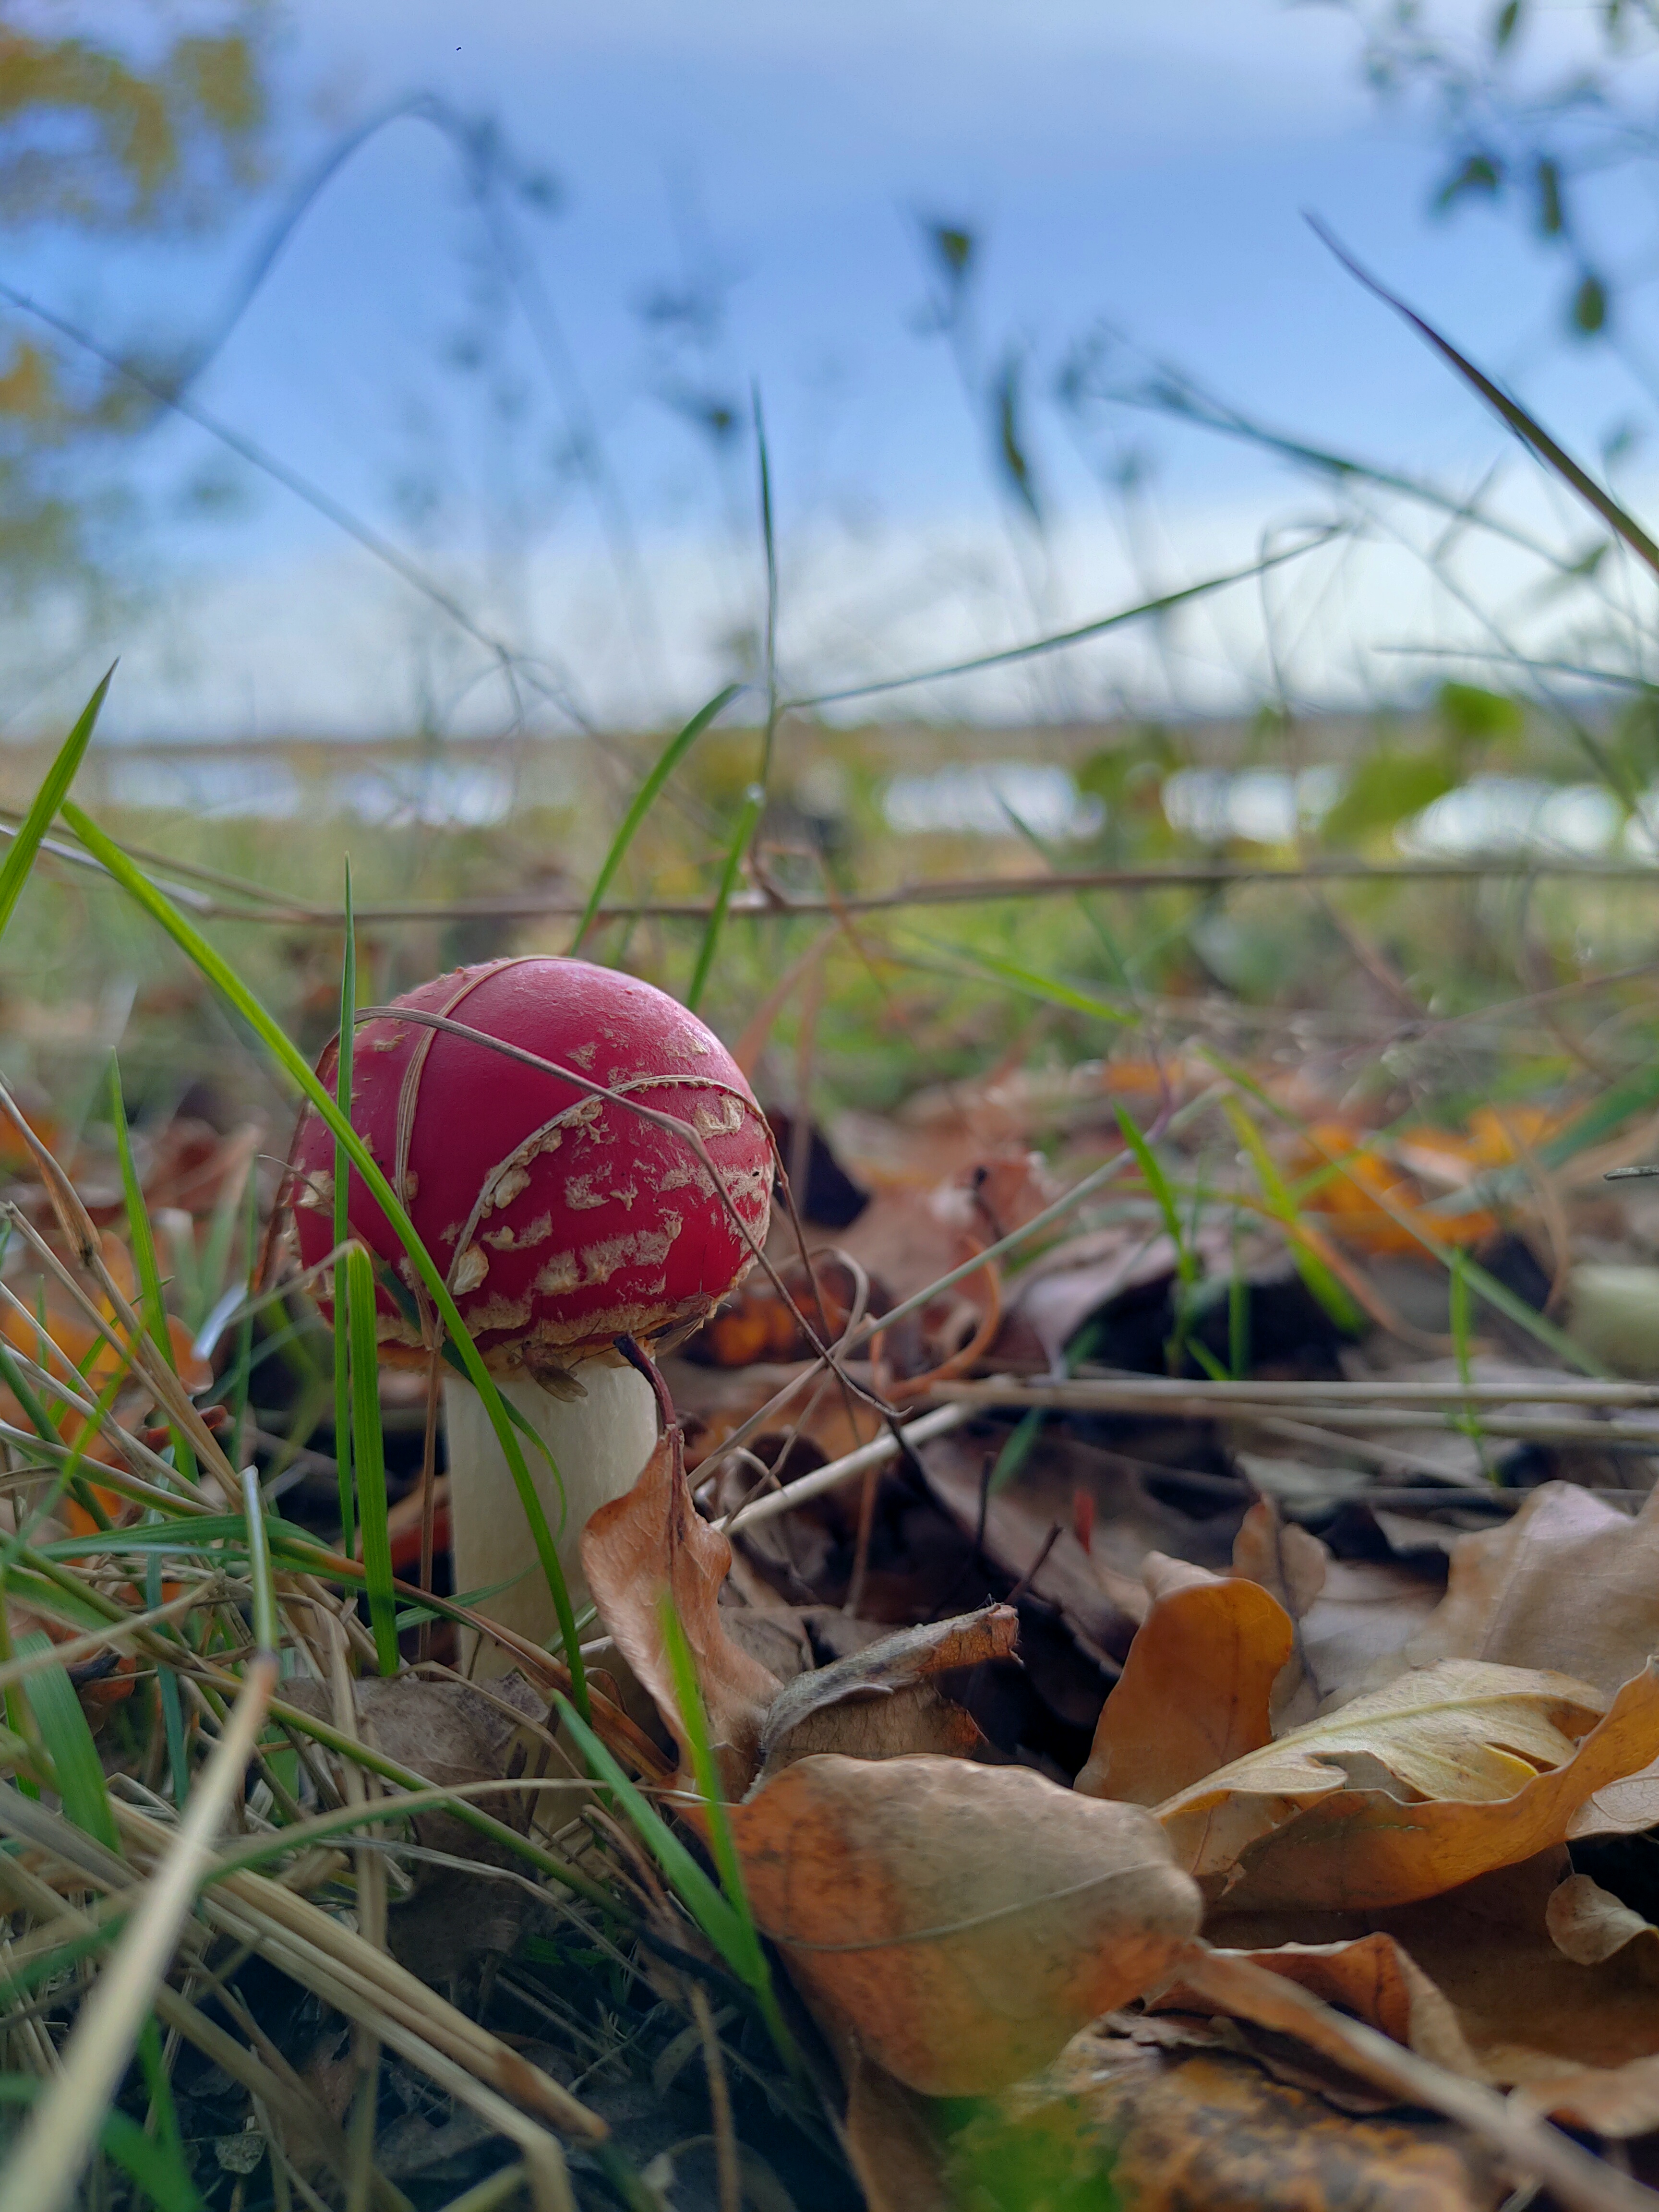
(973, 890)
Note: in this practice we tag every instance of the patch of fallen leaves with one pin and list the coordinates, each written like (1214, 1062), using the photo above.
(1384, 1868)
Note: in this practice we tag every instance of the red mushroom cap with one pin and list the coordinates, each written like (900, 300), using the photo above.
(563, 1220)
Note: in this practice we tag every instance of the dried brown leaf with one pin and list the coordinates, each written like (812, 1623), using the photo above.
(957, 1922)
(1589, 1925)
(872, 1703)
(650, 1543)
(1099, 1589)
(1292, 1564)
(1578, 2039)
(448, 1732)
(1236, 1984)
(1281, 1556)
(1373, 1978)
(1569, 1583)
(451, 1734)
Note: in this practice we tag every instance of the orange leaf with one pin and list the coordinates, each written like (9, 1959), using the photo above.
(1194, 1694)
(958, 1923)
(1373, 1978)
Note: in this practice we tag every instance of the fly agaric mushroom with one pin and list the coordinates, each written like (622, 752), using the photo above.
(563, 1220)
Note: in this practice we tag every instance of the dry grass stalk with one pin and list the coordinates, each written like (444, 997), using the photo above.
(375, 1988)
(56, 2144)
(720, 2101)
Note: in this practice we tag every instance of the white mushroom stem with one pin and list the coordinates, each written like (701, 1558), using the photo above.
(599, 1443)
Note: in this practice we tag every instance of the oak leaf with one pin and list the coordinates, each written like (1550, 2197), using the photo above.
(881, 1702)
(1589, 1925)
(1371, 1976)
(1294, 1566)
(955, 1923)
(1551, 1986)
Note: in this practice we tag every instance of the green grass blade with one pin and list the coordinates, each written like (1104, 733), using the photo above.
(152, 1300)
(368, 1453)
(54, 789)
(1631, 1094)
(754, 801)
(1058, 640)
(23, 1391)
(1323, 1285)
(343, 1066)
(1238, 1315)
(769, 550)
(216, 1250)
(1152, 1172)
(1463, 1326)
(18, 1977)
(1157, 1182)
(258, 1559)
(287, 1056)
(644, 798)
(688, 1695)
(167, 2139)
(1531, 434)
(1028, 981)
(701, 1897)
(240, 1378)
(68, 1477)
(1179, 396)
(173, 1709)
(1486, 1285)
(722, 1844)
(68, 1740)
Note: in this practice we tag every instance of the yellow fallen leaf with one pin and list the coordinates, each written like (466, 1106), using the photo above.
(1421, 1786)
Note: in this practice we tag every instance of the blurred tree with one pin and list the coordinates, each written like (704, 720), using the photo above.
(1536, 106)
(142, 120)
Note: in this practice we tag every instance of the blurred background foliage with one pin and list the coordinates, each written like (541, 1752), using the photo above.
(122, 127)
(159, 127)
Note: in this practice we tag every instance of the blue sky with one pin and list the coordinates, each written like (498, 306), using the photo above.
(1128, 166)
